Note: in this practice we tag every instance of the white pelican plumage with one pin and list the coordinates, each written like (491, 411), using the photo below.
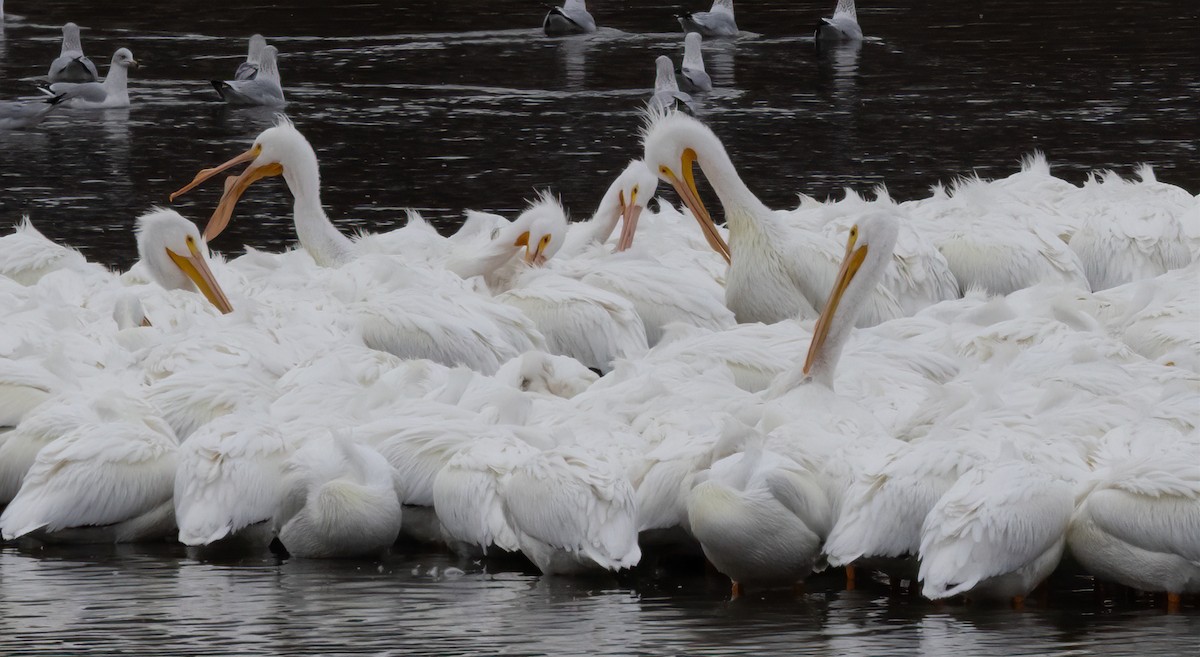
(782, 271)
(843, 26)
(248, 69)
(72, 65)
(107, 480)
(997, 533)
(177, 257)
(760, 516)
(264, 88)
(112, 92)
(718, 21)
(1138, 519)
(573, 511)
(339, 500)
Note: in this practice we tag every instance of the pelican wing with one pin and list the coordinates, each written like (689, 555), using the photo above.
(98, 474)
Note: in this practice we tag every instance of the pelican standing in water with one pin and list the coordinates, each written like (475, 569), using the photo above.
(72, 65)
(781, 271)
(716, 22)
(759, 516)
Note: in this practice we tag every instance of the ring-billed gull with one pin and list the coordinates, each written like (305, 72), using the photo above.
(249, 68)
(717, 21)
(571, 18)
(72, 65)
(26, 114)
(113, 92)
(842, 27)
(666, 92)
(692, 73)
(265, 89)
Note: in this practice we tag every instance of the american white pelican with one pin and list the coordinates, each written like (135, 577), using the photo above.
(176, 255)
(339, 500)
(571, 18)
(842, 27)
(666, 90)
(692, 72)
(623, 201)
(781, 271)
(716, 22)
(248, 69)
(107, 480)
(72, 65)
(265, 88)
(26, 255)
(229, 481)
(113, 92)
(26, 114)
(760, 518)
(573, 511)
(1138, 518)
(540, 372)
(997, 533)
(1129, 230)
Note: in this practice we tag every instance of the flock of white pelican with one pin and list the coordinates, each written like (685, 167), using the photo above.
(999, 374)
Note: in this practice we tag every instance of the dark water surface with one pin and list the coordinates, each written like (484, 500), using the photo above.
(157, 600)
(444, 105)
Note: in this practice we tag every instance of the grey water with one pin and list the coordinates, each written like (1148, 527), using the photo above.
(441, 106)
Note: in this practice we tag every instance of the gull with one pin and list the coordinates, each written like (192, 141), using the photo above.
(72, 65)
(694, 77)
(248, 69)
(113, 92)
(17, 115)
(842, 27)
(571, 18)
(716, 22)
(666, 91)
(264, 89)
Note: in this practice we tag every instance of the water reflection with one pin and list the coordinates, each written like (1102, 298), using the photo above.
(574, 51)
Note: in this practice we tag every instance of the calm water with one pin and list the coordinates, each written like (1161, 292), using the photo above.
(443, 106)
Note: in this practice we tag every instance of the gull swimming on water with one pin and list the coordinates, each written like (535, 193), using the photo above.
(692, 73)
(113, 92)
(264, 89)
(842, 27)
(26, 114)
(666, 91)
(571, 18)
(72, 65)
(248, 69)
(717, 21)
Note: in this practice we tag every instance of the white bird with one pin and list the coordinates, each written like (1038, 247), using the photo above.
(265, 88)
(666, 91)
(573, 511)
(339, 500)
(18, 115)
(1138, 519)
(72, 65)
(177, 257)
(782, 270)
(248, 69)
(716, 22)
(997, 533)
(692, 72)
(107, 480)
(571, 18)
(842, 27)
(112, 92)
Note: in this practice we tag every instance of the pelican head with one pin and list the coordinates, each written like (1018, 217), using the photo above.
(670, 140)
(176, 256)
(278, 151)
(633, 189)
(541, 229)
(868, 252)
(123, 58)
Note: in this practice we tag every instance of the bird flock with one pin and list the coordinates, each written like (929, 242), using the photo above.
(956, 392)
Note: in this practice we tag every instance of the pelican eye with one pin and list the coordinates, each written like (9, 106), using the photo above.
(545, 240)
